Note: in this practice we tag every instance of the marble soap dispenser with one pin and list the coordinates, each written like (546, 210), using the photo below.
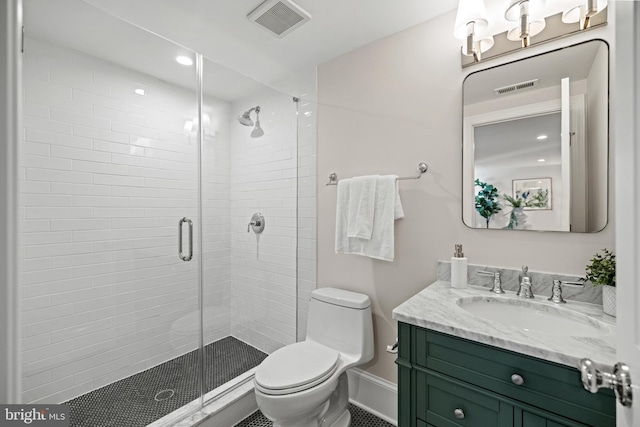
(458, 269)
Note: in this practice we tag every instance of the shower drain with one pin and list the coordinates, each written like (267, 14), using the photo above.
(164, 395)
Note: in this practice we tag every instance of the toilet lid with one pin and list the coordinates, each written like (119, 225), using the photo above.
(296, 367)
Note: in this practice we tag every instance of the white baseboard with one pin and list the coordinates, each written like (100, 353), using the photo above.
(373, 394)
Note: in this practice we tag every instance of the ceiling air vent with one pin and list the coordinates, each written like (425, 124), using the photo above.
(279, 17)
(515, 87)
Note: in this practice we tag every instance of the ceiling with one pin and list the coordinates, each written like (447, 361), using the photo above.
(515, 144)
(239, 53)
(574, 62)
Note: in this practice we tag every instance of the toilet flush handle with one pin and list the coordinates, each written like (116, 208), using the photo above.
(393, 349)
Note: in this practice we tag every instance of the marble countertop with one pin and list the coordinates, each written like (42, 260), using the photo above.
(436, 308)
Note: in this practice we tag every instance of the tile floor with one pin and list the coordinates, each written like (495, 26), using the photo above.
(139, 400)
(359, 418)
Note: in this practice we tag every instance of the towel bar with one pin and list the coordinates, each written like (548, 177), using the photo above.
(422, 168)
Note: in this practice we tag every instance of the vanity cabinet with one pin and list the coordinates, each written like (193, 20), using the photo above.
(446, 381)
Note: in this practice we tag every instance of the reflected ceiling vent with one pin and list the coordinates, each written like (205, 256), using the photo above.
(279, 17)
(515, 87)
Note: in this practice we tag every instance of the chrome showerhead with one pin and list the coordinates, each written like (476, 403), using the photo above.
(245, 118)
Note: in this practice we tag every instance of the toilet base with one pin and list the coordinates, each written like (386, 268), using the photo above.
(343, 421)
(334, 412)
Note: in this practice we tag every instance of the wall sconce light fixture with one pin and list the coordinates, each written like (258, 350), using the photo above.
(537, 21)
(529, 13)
(471, 26)
(583, 11)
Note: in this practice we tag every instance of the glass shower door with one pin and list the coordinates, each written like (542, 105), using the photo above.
(249, 170)
(110, 181)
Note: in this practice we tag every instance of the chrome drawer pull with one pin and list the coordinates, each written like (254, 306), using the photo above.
(459, 413)
(517, 379)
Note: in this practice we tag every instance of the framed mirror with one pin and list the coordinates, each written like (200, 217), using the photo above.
(536, 142)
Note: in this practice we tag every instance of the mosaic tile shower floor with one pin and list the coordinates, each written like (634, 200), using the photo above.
(131, 402)
(359, 418)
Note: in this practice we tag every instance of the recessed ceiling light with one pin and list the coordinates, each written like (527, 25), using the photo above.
(541, 160)
(184, 60)
(542, 137)
(140, 92)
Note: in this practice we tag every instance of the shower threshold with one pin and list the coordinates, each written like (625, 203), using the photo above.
(143, 398)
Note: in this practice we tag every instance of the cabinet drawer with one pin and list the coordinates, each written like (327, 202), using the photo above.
(438, 399)
(547, 385)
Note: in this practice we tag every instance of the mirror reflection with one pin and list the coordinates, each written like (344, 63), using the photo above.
(535, 142)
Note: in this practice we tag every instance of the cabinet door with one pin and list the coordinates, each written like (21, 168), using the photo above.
(529, 417)
(442, 402)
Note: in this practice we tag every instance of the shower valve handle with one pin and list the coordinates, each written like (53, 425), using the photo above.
(257, 223)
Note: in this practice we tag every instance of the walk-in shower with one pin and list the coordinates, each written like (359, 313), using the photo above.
(121, 142)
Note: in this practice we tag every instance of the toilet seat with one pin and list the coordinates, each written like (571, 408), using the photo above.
(296, 367)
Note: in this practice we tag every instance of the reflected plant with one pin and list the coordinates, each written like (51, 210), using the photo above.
(519, 201)
(486, 200)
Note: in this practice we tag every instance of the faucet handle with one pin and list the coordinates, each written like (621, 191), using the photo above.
(556, 289)
(556, 292)
(489, 273)
(497, 285)
(578, 284)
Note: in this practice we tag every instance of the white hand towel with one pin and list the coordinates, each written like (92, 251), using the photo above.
(362, 201)
(398, 211)
(388, 207)
(342, 212)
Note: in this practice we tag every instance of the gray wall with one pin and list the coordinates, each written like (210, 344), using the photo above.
(382, 109)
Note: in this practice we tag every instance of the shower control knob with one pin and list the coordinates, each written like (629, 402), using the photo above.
(256, 223)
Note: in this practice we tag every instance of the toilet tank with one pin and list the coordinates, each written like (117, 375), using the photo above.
(342, 320)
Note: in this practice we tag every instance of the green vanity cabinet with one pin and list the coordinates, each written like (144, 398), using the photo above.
(446, 381)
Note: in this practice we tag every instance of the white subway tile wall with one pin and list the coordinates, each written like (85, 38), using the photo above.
(263, 266)
(106, 174)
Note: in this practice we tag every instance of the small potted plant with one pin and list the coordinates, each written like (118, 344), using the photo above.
(486, 200)
(602, 272)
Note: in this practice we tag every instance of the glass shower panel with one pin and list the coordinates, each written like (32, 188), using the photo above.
(109, 168)
(249, 157)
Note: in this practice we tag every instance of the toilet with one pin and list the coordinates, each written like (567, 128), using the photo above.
(305, 384)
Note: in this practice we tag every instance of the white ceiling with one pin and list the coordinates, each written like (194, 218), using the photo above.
(514, 144)
(574, 62)
(235, 48)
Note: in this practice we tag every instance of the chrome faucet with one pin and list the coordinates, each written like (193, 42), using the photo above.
(556, 290)
(525, 273)
(526, 290)
(497, 285)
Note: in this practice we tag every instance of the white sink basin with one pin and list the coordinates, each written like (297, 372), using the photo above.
(529, 316)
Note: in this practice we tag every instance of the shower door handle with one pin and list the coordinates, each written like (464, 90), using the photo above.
(180, 254)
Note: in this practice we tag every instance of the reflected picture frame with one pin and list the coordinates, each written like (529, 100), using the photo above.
(538, 191)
